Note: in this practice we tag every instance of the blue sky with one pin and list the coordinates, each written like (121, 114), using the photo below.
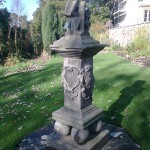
(29, 6)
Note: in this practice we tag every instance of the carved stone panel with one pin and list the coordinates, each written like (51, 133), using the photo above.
(88, 83)
(70, 77)
(78, 82)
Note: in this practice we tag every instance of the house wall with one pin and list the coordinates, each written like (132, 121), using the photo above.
(134, 12)
(124, 35)
(131, 13)
(124, 32)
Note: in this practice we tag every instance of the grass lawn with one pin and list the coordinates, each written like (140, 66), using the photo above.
(27, 99)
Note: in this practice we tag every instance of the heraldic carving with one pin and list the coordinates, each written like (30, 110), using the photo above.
(73, 78)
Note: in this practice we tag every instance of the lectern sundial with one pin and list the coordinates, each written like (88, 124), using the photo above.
(78, 48)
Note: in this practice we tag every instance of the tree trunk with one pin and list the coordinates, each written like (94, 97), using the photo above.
(1, 53)
(8, 42)
(45, 55)
(15, 40)
(21, 42)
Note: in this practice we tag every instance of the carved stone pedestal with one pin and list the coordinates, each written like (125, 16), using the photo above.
(78, 114)
(79, 120)
(78, 117)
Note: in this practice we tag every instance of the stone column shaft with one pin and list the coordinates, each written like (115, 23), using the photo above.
(78, 82)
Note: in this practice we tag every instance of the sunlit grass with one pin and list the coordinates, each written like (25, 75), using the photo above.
(28, 99)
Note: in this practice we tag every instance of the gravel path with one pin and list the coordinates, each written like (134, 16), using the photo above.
(141, 61)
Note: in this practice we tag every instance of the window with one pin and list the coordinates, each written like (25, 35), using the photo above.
(146, 15)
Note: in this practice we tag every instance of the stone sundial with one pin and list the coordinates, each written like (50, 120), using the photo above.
(78, 48)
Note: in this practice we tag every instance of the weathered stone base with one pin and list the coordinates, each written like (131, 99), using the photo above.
(110, 138)
(58, 142)
(79, 120)
(121, 142)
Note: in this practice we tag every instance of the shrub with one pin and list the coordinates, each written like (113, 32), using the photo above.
(115, 47)
(141, 39)
(141, 43)
(99, 32)
(12, 60)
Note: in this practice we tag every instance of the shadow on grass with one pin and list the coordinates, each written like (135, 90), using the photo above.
(138, 123)
(33, 104)
(25, 80)
(127, 94)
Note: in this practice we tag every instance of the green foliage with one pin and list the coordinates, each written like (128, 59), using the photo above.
(100, 10)
(4, 29)
(35, 31)
(13, 60)
(102, 16)
(47, 23)
(140, 45)
(116, 47)
(14, 36)
(50, 24)
(99, 32)
(142, 39)
(27, 39)
(4, 24)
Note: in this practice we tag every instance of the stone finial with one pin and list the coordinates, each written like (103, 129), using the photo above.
(78, 16)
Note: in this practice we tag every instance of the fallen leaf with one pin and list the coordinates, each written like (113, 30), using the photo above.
(20, 128)
(56, 103)
(1, 117)
(109, 101)
(43, 107)
(4, 124)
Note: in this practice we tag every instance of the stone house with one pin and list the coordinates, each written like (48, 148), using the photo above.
(129, 16)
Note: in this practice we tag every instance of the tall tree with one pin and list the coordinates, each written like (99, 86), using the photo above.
(4, 28)
(18, 11)
(50, 24)
(35, 31)
(52, 21)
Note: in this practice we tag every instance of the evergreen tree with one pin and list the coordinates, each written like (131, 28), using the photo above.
(50, 25)
(35, 31)
(4, 28)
